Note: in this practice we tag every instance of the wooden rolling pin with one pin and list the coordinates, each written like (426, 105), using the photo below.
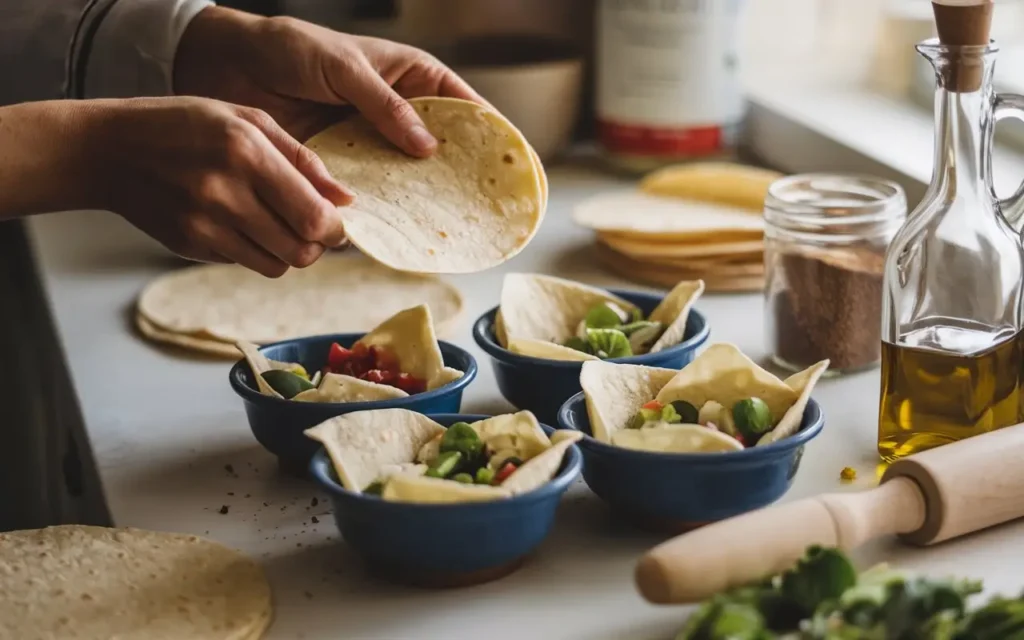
(926, 498)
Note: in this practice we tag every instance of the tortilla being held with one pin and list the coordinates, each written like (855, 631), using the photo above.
(403, 456)
(557, 319)
(722, 401)
(473, 204)
(399, 358)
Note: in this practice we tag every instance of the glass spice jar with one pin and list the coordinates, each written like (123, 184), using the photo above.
(825, 242)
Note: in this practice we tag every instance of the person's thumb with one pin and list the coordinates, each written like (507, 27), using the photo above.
(389, 112)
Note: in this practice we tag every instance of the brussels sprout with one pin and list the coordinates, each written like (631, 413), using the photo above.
(608, 343)
(604, 316)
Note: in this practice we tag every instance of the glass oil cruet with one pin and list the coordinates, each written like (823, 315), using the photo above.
(951, 308)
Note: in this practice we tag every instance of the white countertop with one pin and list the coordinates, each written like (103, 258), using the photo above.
(164, 426)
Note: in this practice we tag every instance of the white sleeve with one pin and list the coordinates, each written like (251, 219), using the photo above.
(126, 48)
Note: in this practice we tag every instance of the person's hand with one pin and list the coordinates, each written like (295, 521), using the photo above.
(301, 74)
(215, 182)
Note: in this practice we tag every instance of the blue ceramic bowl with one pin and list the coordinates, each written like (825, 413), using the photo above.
(681, 491)
(448, 545)
(278, 424)
(541, 386)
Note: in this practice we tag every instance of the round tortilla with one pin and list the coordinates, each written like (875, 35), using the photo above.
(663, 276)
(641, 249)
(96, 583)
(633, 212)
(339, 294)
(473, 204)
(184, 341)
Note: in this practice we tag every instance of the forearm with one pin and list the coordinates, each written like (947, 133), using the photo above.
(46, 157)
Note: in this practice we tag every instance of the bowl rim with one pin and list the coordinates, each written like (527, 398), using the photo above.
(253, 395)
(572, 467)
(483, 324)
(785, 445)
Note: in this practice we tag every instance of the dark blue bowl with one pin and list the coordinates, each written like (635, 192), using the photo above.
(541, 386)
(278, 424)
(447, 545)
(681, 491)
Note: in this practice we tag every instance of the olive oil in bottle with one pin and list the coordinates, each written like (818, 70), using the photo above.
(931, 397)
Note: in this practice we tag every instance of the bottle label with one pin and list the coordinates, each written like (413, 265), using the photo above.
(668, 76)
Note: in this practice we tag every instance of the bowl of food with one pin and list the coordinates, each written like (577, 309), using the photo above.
(674, 450)
(443, 500)
(290, 386)
(545, 328)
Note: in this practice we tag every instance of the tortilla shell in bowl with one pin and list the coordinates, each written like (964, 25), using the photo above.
(473, 204)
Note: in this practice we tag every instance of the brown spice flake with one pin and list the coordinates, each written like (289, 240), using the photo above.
(315, 520)
(224, 510)
(314, 502)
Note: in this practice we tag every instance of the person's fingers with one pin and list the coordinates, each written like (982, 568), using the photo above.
(307, 162)
(224, 241)
(389, 112)
(248, 215)
(281, 186)
(452, 86)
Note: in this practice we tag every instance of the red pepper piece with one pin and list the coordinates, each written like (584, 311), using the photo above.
(506, 470)
(337, 357)
(654, 405)
(410, 384)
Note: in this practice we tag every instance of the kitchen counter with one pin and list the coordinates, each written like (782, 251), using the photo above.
(172, 447)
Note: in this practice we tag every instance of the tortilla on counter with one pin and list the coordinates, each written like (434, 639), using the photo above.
(475, 203)
(717, 379)
(97, 583)
(637, 214)
(340, 293)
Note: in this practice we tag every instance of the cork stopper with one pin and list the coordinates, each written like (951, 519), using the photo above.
(964, 23)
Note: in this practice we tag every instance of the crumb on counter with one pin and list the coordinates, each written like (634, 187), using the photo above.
(848, 474)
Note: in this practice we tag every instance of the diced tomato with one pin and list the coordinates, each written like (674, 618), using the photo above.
(506, 470)
(654, 405)
(338, 357)
(410, 384)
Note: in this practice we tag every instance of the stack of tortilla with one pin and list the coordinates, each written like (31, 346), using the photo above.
(689, 222)
(210, 308)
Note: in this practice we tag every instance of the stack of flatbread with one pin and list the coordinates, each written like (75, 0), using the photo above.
(210, 308)
(690, 222)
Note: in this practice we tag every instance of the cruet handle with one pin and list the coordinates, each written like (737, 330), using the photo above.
(1011, 105)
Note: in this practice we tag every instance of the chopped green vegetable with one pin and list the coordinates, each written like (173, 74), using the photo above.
(374, 488)
(484, 475)
(603, 316)
(752, 418)
(608, 343)
(636, 315)
(462, 438)
(445, 464)
(823, 598)
(579, 344)
(287, 383)
(688, 413)
(464, 478)
(670, 415)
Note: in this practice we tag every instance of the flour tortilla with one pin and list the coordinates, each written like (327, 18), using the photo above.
(676, 438)
(642, 249)
(802, 382)
(215, 348)
(547, 350)
(518, 434)
(726, 375)
(340, 293)
(727, 183)
(661, 276)
(475, 203)
(335, 387)
(425, 490)
(547, 308)
(409, 335)
(97, 583)
(258, 365)
(362, 443)
(540, 469)
(615, 393)
(632, 212)
(673, 312)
